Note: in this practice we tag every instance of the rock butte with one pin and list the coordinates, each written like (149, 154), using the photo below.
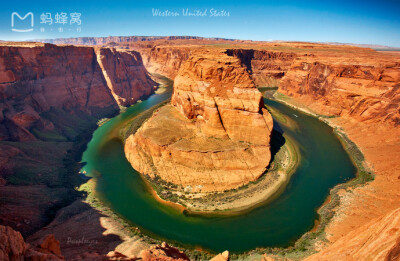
(214, 136)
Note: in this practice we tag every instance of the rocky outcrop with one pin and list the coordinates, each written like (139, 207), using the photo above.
(12, 244)
(36, 78)
(14, 248)
(163, 252)
(216, 134)
(224, 256)
(266, 67)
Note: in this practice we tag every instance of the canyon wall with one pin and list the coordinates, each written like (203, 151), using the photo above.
(266, 67)
(51, 98)
(365, 92)
(216, 134)
(126, 77)
(37, 78)
(361, 89)
(164, 60)
(337, 81)
(376, 240)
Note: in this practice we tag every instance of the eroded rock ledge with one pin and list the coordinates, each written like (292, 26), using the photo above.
(214, 136)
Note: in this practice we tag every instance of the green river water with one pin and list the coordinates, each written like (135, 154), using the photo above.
(323, 164)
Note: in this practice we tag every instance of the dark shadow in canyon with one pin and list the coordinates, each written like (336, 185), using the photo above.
(277, 141)
(80, 230)
(245, 56)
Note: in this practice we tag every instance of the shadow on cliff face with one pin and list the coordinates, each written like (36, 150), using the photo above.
(38, 197)
(81, 230)
(39, 178)
(244, 55)
(277, 141)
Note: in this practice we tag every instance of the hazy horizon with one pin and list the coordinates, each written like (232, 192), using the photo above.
(355, 22)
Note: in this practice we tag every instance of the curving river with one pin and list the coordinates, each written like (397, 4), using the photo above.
(323, 164)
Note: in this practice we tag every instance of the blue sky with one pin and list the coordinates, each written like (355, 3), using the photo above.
(366, 22)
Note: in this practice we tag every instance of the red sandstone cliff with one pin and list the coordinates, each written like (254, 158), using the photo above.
(164, 60)
(218, 91)
(376, 240)
(35, 78)
(14, 248)
(52, 96)
(266, 67)
(125, 75)
(366, 92)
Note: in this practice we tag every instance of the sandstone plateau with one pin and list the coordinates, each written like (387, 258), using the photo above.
(214, 136)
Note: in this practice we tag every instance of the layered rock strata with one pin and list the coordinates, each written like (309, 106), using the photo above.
(36, 78)
(215, 134)
(357, 89)
(376, 240)
(266, 67)
(50, 100)
(164, 60)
